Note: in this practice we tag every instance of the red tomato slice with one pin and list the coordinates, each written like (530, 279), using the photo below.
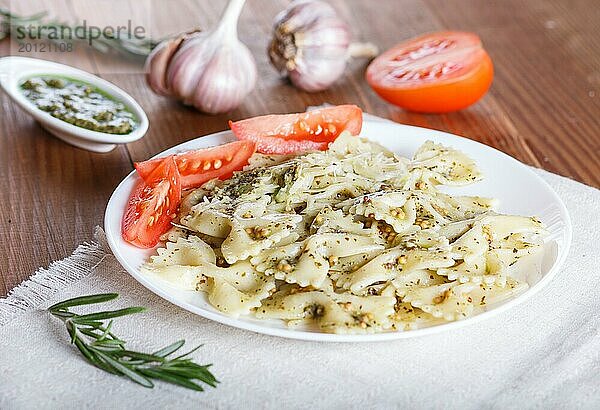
(434, 73)
(152, 205)
(290, 133)
(198, 166)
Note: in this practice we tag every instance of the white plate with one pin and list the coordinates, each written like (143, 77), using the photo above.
(15, 70)
(518, 188)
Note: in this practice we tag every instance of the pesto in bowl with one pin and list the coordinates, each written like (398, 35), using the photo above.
(79, 103)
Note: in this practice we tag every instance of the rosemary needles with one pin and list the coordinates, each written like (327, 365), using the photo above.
(103, 349)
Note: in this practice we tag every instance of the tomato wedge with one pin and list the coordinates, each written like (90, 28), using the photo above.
(434, 73)
(152, 204)
(198, 166)
(290, 133)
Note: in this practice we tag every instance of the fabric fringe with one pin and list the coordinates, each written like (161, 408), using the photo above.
(44, 283)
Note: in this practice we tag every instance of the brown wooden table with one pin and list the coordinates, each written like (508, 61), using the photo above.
(543, 107)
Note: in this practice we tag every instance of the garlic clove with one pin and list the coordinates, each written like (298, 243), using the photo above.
(302, 13)
(321, 56)
(316, 73)
(159, 59)
(227, 79)
(187, 66)
(328, 33)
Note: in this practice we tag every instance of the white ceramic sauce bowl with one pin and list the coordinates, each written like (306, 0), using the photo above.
(15, 70)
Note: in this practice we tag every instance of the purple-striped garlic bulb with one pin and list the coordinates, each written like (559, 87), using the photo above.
(213, 71)
(311, 45)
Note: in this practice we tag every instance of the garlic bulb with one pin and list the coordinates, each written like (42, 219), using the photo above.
(212, 71)
(311, 44)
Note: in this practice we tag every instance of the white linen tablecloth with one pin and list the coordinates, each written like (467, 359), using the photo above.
(545, 353)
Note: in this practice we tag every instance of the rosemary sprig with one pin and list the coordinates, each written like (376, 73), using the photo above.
(126, 45)
(103, 349)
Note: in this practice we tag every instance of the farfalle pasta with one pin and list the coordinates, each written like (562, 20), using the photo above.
(354, 239)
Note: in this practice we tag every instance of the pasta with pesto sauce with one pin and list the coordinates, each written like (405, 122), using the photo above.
(355, 239)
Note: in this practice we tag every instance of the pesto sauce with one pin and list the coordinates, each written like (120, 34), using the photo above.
(80, 104)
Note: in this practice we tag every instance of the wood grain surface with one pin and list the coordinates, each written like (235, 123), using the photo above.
(543, 107)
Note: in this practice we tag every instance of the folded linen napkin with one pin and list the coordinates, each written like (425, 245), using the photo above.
(544, 353)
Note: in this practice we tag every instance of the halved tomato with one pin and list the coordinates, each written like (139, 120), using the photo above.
(290, 133)
(434, 73)
(152, 205)
(198, 166)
